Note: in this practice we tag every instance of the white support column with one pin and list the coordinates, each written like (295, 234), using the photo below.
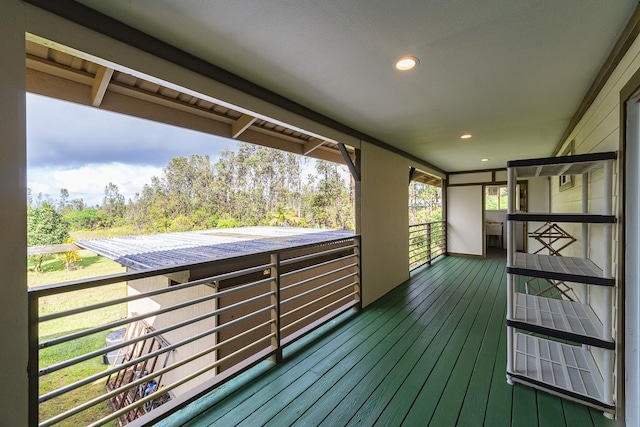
(13, 250)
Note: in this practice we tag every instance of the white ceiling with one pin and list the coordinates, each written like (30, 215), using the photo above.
(512, 73)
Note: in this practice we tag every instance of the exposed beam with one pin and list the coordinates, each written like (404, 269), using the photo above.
(100, 84)
(96, 21)
(58, 70)
(355, 173)
(241, 125)
(312, 145)
(412, 172)
(134, 102)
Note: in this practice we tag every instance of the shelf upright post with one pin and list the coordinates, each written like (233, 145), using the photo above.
(585, 231)
(607, 268)
(511, 248)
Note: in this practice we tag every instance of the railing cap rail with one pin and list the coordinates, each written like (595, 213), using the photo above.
(426, 223)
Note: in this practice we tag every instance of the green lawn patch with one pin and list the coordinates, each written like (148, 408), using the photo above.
(54, 271)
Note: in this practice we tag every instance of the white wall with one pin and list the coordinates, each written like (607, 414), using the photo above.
(385, 221)
(632, 269)
(465, 228)
(537, 201)
(470, 178)
(599, 130)
(13, 251)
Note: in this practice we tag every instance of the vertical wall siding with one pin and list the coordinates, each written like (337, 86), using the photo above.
(598, 131)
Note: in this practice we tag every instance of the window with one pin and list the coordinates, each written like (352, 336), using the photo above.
(496, 198)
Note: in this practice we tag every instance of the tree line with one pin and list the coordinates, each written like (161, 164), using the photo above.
(250, 186)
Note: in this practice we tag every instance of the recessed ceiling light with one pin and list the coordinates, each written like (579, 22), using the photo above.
(406, 63)
(466, 136)
(484, 160)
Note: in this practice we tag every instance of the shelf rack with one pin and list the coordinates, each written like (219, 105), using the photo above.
(536, 324)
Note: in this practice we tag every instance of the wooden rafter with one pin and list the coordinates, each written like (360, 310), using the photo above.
(241, 125)
(100, 84)
(355, 173)
(412, 172)
(312, 145)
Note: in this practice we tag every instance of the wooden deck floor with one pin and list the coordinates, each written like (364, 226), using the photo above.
(431, 352)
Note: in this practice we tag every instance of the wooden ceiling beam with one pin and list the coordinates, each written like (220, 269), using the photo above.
(58, 70)
(241, 125)
(100, 84)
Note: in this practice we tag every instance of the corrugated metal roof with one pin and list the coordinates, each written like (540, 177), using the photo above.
(168, 249)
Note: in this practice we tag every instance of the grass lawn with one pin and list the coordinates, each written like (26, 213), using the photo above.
(53, 271)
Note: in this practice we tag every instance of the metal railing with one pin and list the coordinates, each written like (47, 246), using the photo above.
(226, 317)
(427, 241)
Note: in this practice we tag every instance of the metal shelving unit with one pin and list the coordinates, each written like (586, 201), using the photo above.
(550, 340)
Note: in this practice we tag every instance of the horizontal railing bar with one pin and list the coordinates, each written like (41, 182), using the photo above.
(174, 288)
(132, 319)
(425, 231)
(75, 285)
(198, 391)
(426, 223)
(434, 244)
(292, 324)
(316, 255)
(143, 379)
(41, 291)
(330, 294)
(87, 356)
(320, 276)
(423, 239)
(316, 323)
(177, 383)
(418, 254)
(70, 387)
(424, 254)
(414, 266)
(317, 288)
(314, 266)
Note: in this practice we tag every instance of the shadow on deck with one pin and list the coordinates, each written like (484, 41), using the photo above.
(431, 352)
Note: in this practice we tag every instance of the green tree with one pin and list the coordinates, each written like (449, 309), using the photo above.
(45, 226)
(425, 203)
(85, 219)
(63, 201)
(113, 204)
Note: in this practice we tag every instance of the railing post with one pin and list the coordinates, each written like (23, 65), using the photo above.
(445, 247)
(216, 323)
(429, 243)
(33, 366)
(358, 285)
(275, 307)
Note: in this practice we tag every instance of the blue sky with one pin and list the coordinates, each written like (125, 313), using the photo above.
(82, 149)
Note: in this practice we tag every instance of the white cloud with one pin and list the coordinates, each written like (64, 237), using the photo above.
(88, 182)
(65, 135)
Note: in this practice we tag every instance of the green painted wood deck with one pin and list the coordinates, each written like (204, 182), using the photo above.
(430, 352)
